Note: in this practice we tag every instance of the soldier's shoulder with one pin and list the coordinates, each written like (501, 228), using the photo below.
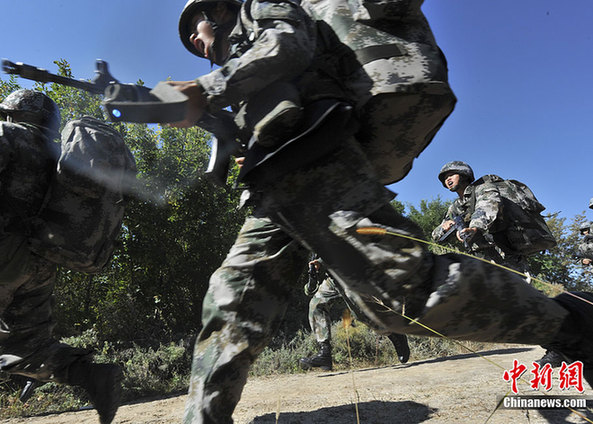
(275, 9)
(13, 129)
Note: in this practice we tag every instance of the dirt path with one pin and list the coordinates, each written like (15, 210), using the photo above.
(458, 389)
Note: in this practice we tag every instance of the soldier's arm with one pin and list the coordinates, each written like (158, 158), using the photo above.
(585, 250)
(487, 209)
(282, 49)
(441, 229)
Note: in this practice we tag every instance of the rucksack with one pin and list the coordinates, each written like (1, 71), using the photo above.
(401, 92)
(81, 219)
(521, 229)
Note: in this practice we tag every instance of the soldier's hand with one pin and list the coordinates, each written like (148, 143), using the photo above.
(587, 261)
(315, 263)
(196, 104)
(447, 225)
(466, 234)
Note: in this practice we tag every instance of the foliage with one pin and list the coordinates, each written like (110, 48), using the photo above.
(148, 371)
(367, 348)
(177, 228)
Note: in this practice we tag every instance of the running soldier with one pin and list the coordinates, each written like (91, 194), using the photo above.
(27, 348)
(318, 192)
(473, 216)
(320, 321)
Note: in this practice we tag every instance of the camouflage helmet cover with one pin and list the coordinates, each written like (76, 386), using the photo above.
(189, 11)
(585, 226)
(591, 203)
(457, 167)
(33, 107)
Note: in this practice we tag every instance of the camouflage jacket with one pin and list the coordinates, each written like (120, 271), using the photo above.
(585, 248)
(279, 41)
(27, 164)
(271, 42)
(386, 28)
(480, 207)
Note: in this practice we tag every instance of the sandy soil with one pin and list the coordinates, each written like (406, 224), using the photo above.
(457, 389)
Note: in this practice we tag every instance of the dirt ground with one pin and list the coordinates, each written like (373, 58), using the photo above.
(456, 389)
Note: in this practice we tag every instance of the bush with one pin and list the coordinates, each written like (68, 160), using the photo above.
(148, 371)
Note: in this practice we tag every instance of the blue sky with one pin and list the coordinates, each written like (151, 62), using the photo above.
(522, 71)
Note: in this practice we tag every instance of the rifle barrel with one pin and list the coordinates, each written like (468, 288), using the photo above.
(42, 75)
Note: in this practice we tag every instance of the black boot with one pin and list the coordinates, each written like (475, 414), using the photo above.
(102, 383)
(575, 338)
(400, 343)
(552, 358)
(323, 358)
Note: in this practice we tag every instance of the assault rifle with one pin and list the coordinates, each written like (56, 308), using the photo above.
(459, 225)
(137, 103)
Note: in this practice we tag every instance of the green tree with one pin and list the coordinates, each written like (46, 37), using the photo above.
(177, 228)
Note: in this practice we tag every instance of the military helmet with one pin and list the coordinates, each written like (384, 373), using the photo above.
(585, 226)
(33, 107)
(189, 11)
(591, 203)
(457, 167)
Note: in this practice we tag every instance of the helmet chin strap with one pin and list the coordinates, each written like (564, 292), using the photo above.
(220, 31)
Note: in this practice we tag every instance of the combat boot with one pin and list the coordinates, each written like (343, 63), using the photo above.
(400, 343)
(575, 338)
(102, 382)
(322, 359)
(552, 358)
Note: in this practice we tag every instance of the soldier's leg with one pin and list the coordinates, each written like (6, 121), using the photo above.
(245, 302)
(319, 311)
(26, 343)
(320, 322)
(325, 204)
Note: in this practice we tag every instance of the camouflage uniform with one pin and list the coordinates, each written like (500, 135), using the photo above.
(487, 209)
(27, 280)
(585, 247)
(319, 207)
(319, 308)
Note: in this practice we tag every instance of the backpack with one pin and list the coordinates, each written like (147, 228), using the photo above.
(83, 211)
(521, 229)
(400, 85)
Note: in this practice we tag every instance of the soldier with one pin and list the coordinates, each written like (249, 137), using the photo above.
(585, 247)
(320, 192)
(27, 280)
(320, 321)
(479, 204)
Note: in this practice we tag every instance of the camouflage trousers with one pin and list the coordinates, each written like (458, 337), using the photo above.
(319, 309)
(26, 288)
(325, 208)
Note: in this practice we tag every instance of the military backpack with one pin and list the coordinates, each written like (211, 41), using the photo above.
(82, 215)
(521, 229)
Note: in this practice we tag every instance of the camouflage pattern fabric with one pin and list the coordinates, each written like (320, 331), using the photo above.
(487, 210)
(319, 208)
(402, 94)
(585, 248)
(319, 309)
(26, 280)
(246, 300)
(319, 316)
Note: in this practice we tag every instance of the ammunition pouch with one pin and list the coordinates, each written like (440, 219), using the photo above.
(272, 115)
(320, 133)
